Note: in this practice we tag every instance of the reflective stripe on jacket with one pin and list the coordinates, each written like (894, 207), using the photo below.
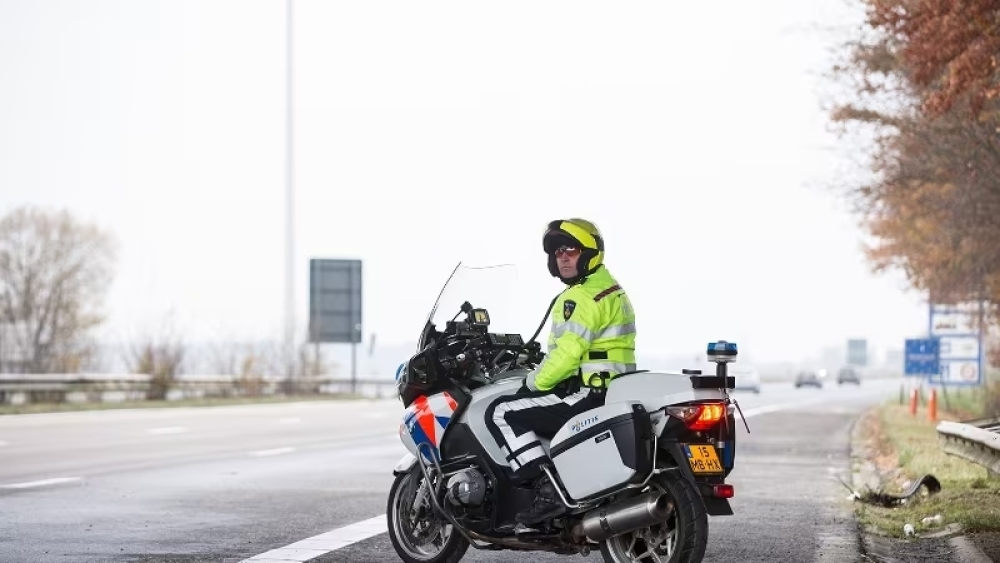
(593, 331)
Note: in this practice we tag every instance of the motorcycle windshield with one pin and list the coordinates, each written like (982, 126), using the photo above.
(491, 287)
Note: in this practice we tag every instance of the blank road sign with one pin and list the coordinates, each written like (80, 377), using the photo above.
(857, 352)
(335, 301)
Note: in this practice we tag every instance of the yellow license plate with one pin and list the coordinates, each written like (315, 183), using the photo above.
(703, 459)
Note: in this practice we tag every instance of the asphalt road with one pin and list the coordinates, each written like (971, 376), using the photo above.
(227, 484)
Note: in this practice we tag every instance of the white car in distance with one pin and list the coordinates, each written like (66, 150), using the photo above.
(747, 377)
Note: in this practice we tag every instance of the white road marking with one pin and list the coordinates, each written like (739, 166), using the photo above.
(275, 451)
(168, 430)
(749, 413)
(324, 543)
(333, 540)
(42, 483)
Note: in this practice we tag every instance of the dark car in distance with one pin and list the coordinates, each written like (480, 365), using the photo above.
(848, 374)
(807, 379)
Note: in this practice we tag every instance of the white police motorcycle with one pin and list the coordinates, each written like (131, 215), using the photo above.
(639, 475)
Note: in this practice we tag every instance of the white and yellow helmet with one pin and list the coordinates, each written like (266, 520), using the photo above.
(574, 233)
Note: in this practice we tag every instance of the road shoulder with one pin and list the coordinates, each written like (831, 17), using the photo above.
(875, 465)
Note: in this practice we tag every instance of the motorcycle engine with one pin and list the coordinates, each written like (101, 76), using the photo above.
(467, 488)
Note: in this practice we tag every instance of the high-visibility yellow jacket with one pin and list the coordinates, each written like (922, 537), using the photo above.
(593, 331)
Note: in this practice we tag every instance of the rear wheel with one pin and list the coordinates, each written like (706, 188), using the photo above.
(682, 538)
(416, 531)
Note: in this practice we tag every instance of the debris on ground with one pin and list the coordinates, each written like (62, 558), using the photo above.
(881, 498)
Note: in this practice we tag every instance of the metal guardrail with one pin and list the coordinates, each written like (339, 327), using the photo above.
(17, 389)
(81, 388)
(977, 441)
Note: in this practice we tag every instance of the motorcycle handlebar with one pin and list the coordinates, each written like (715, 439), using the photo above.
(487, 343)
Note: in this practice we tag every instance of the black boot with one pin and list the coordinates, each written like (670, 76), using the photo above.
(547, 504)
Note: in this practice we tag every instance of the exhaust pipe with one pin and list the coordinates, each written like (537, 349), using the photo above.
(627, 516)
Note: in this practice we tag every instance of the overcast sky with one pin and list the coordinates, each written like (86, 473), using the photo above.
(428, 133)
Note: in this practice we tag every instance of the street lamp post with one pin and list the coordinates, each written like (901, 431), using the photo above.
(289, 207)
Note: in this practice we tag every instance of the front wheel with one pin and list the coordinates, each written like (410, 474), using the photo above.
(682, 538)
(417, 532)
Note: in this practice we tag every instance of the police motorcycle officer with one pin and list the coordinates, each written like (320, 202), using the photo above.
(592, 339)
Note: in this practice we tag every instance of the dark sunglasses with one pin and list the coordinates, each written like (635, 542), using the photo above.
(570, 251)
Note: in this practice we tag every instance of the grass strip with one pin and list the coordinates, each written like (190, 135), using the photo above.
(904, 447)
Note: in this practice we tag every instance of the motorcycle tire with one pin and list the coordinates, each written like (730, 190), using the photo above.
(689, 522)
(454, 547)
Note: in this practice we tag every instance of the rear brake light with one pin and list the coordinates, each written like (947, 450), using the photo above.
(723, 491)
(698, 417)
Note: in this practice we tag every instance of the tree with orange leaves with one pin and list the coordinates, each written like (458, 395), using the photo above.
(933, 204)
(951, 46)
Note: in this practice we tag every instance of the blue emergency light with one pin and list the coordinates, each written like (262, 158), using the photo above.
(721, 351)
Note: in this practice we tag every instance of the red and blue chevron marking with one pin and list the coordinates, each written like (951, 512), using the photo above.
(427, 419)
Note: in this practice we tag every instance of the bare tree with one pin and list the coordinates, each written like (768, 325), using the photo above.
(222, 358)
(54, 275)
(161, 356)
(250, 363)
